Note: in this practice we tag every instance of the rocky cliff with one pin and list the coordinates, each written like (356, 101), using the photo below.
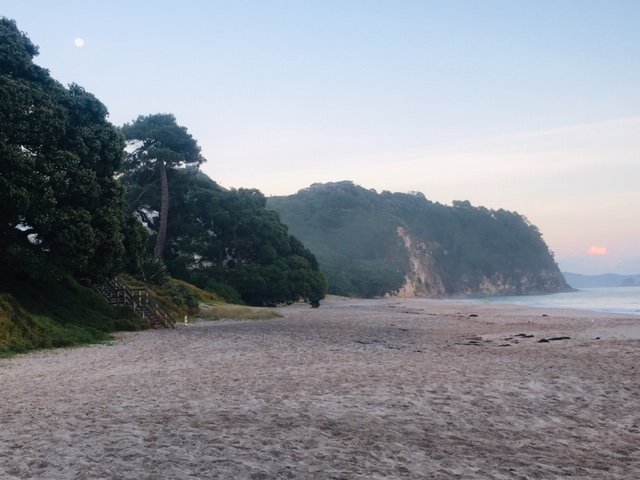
(372, 244)
(422, 278)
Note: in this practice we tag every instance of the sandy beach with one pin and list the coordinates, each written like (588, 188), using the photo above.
(357, 389)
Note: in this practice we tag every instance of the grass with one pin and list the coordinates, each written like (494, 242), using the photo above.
(180, 298)
(177, 298)
(220, 311)
(39, 314)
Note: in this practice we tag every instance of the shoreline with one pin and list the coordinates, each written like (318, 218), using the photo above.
(568, 300)
(364, 389)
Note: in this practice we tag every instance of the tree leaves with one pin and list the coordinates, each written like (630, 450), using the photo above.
(227, 241)
(158, 144)
(58, 156)
(159, 137)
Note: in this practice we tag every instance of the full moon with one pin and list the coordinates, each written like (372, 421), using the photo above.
(79, 42)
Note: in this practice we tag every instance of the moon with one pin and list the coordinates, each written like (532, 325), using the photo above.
(79, 42)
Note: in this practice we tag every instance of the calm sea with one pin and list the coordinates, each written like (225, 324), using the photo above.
(613, 299)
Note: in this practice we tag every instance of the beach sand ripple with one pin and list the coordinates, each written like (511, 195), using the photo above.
(353, 390)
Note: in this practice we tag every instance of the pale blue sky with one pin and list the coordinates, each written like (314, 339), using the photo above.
(530, 105)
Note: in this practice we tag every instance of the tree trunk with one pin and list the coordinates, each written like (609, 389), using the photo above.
(164, 212)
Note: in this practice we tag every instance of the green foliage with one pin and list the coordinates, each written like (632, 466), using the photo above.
(44, 314)
(353, 231)
(473, 243)
(228, 242)
(62, 215)
(223, 290)
(157, 144)
(178, 298)
(183, 297)
(61, 205)
(135, 240)
(158, 137)
(154, 271)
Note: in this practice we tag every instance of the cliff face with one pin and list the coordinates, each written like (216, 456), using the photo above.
(528, 283)
(372, 244)
(423, 279)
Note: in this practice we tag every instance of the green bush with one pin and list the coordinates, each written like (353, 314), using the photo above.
(154, 271)
(225, 291)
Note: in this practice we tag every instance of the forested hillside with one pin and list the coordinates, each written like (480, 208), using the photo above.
(77, 193)
(370, 244)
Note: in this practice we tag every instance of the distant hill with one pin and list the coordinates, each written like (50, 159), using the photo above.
(577, 280)
(370, 244)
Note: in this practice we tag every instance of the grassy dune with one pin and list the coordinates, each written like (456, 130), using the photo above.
(39, 314)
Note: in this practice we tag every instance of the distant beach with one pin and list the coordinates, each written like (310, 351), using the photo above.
(357, 389)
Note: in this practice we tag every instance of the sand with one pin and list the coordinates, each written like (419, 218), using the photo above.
(354, 390)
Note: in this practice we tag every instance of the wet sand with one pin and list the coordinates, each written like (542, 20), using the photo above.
(354, 390)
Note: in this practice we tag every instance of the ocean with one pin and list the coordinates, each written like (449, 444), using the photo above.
(611, 299)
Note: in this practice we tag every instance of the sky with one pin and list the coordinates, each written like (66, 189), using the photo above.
(526, 105)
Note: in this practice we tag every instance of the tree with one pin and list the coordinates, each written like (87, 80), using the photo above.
(222, 240)
(156, 143)
(61, 205)
(227, 238)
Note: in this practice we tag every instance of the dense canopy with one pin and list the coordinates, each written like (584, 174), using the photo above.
(61, 205)
(355, 234)
(75, 192)
(228, 242)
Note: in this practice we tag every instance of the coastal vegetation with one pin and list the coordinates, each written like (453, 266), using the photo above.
(371, 244)
(226, 241)
(61, 202)
(84, 201)
(36, 313)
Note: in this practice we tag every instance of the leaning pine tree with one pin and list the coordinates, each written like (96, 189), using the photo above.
(156, 143)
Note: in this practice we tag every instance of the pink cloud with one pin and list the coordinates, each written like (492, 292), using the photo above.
(597, 250)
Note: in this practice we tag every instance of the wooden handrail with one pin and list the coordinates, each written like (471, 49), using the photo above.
(138, 299)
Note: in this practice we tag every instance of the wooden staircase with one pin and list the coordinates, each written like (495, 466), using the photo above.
(116, 292)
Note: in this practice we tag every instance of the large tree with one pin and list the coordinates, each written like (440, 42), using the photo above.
(227, 241)
(61, 205)
(222, 240)
(156, 143)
